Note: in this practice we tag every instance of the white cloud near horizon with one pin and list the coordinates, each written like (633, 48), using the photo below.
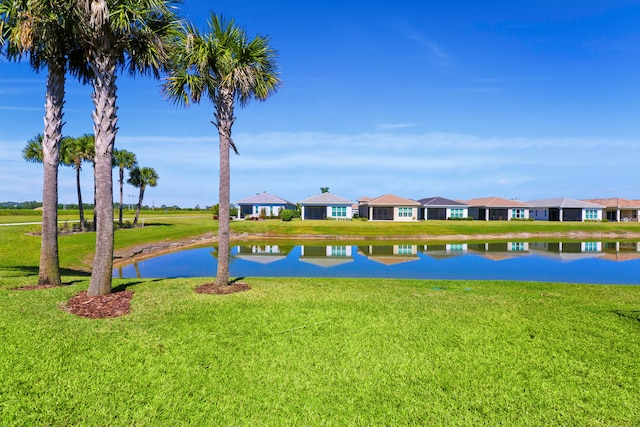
(294, 165)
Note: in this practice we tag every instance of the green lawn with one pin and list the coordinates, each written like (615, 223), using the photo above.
(315, 351)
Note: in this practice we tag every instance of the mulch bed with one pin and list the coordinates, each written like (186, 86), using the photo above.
(114, 304)
(213, 288)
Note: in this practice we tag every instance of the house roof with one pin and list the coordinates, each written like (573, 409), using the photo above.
(326, 199)
(564, 202)
(496, 202)
(391, 200)
(441, 202)
(264, 199)
(616, 202)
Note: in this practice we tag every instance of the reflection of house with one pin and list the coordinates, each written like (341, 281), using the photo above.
(564, 209)
(389, 208)
(326, 205)
(390, 255)
(263, 254)
(441, 208)
(445, 251)
(496, 208)
(617, 209)
(498, 251)
(621, 251)
(567, 251)
(263, 204)
(326, 256)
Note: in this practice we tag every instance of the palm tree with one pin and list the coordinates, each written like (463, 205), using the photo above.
(76, 151)
(142, 178)
(123, 159)
(43, 31)
(32, 152)
(130, 34)
(226, 67)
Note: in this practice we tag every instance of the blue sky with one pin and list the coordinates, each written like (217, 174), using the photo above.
(460, 99)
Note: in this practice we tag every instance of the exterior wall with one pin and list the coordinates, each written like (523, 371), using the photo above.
(400, 213)
(586, 216)
(539, 214)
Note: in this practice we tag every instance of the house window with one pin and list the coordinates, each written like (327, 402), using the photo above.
(518, 246)
(590, 214)
(405, 212)
(457, 213)
(338, 251)
(517, 213)
(591, 246)
(339, 211)
(405, 249)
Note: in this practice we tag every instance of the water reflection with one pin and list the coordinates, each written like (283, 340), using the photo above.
(578, 262)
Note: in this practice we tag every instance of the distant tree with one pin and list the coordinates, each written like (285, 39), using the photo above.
(226, 67)
(142, 178)
(123, 159)
(324, 189)
(74, 152)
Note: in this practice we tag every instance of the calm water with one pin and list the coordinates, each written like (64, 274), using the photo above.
(574, 262)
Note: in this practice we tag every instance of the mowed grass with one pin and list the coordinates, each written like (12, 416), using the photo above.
(313, 351)
(325, 352)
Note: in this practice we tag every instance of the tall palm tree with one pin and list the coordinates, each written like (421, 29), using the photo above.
(76, 151)
(142, 178)
(123, 159)
(43, 31)
(130, 34)
(228, 68)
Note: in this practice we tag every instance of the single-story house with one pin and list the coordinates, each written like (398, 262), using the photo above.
(442, 208)
(564, 209)
(389, 208)
(617, 209)
(497, 209)
(326, 205)
(263, 204)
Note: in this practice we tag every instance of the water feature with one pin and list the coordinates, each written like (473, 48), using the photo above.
(573, 262)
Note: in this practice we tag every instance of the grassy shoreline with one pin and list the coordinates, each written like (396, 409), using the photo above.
(302, 351)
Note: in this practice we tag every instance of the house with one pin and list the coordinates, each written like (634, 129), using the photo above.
(617, 209)
(496, 208)
(389, 208)
(326, 205)
(263, 204)
(564, 209)
(441, 208)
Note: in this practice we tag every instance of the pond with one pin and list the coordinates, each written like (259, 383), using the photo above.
(573, 262)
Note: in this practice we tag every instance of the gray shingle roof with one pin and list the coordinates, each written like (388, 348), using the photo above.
(264, 199)
(563, 202)
(326, 199)
(441, 202)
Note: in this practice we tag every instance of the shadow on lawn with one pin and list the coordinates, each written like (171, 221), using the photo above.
(32, 270)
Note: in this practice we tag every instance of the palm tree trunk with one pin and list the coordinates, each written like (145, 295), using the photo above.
(104, 127)
(83, 225)
(49, 267)
(135, 220)
(224, 116)
(121, 196)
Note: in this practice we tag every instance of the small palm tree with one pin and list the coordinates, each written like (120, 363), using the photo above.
(75, 151)
(228, 68)
(123, 159)
(142, 178)
(129, 34)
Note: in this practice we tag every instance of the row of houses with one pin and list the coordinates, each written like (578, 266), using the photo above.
(390, 207)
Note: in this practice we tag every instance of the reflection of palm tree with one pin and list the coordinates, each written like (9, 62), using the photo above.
(225, 67)
(142, 178)
(123, 159)
(44, 32)
(74, 152)
(131, 34)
